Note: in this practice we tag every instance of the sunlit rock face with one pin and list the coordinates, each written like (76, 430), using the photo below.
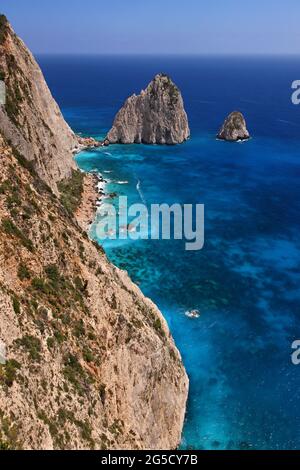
(156, 116)
(234, 128)
(31, 120)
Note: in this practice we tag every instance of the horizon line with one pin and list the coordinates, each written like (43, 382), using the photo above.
(168, 54)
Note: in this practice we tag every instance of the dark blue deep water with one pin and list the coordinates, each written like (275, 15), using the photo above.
(245, 392)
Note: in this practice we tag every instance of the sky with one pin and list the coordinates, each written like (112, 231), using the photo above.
(157, 26)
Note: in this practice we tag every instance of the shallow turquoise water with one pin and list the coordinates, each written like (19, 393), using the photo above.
(245, 282)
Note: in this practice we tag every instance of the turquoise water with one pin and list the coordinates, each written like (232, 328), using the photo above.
(245, 282)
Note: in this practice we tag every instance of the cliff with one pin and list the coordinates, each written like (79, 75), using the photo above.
(90, 362)
(156, 116)
(234, 128)
(31, 119)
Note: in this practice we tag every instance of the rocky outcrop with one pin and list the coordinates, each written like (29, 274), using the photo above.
(156, 116)
(31, 119)
(234, 128)
(89, 143)
(89, 362)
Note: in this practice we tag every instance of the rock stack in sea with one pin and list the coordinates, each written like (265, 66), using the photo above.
(156, 116)
(234, 128)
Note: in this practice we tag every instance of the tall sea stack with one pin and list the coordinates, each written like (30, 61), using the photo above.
(156, 116)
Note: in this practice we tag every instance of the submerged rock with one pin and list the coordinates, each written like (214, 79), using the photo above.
(234, 128)
(156, 116)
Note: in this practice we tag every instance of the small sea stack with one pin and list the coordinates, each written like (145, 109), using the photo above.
(234, 128)
(156, 116)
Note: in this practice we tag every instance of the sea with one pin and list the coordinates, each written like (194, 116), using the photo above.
(244, 388)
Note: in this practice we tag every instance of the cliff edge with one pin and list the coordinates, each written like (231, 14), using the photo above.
(31, 120)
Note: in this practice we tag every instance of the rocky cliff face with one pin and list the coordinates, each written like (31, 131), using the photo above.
(156, 116)
(234, 128)
(31, 120)
(89, 361)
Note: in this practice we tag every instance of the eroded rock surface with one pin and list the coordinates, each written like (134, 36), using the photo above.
(156, 116)
(234, 128)
(31, 120)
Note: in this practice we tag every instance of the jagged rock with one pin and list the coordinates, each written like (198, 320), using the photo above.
(31, 119)
(89, 142)
(234, 128)
(156, 116)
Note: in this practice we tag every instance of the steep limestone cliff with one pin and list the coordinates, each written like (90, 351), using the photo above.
(90, 362)
(234, 128)
(156, 116)
(31, 119)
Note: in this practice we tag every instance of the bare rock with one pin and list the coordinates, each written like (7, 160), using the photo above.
(102, 371)
(156, 116)
(234, 128)
(31, 120)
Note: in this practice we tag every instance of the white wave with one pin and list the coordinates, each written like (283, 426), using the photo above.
(139, 190)
(192, 314)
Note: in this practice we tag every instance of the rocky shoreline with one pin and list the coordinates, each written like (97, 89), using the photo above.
(85, 143)
(92, 195)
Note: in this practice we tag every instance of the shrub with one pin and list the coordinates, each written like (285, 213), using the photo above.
(88, 356)
(16, 305)
(38, 284)
(11, 229)
(53, 274)
(158, 327)
(4, 446)
(73, 371)
(50, 343)
(23, 272)
(79, 329)
(32, 345)
(10, 371)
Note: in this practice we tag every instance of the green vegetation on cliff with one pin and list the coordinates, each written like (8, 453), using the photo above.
(71, 190)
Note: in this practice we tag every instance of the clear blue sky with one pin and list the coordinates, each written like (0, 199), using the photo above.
(157, 26)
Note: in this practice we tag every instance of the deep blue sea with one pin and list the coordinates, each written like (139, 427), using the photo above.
(245, 392)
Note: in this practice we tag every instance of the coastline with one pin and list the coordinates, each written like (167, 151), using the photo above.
(93, 192)
(93, 186)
